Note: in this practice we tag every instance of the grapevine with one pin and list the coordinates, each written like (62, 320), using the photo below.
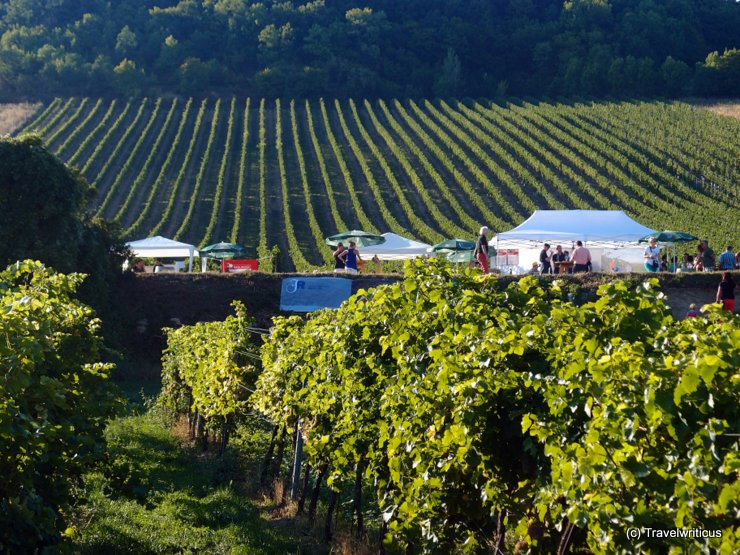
(242, 176)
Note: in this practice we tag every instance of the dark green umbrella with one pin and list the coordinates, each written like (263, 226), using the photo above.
(361, 238)
(669, 236)
(461, 257)
(453, 245)
(224, 251)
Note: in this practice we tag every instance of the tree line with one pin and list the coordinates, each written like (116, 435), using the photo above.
(374, 49)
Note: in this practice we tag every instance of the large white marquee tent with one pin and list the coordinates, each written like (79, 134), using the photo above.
(602, 228)
(601, 231)
(395, 247)
(161, 247)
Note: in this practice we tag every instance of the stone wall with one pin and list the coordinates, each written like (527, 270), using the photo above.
(147, 302)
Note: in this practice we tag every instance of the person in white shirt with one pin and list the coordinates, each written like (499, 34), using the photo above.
(581, 258)
(652, 256)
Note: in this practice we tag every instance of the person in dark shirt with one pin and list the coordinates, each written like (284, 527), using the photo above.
(558, 256)
(707, 256)
(481, 249)
(139, 266)
(545, 260)
(338, 259)
(726, 292)
(664, 263)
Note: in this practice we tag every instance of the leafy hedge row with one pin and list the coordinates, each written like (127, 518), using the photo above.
(205, 372)
(54, 401)
(474, 410)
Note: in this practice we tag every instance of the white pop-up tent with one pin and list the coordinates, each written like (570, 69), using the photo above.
(395, 248)
(599, 230)
(161, 247)
(596, 228)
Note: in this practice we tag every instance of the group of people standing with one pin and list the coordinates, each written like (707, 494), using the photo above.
(581, 256)
(348, 259)
(549, 260)
(703, 261)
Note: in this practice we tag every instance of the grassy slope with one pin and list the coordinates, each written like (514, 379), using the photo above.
(157, 495)
(14, 116)
(723, 107)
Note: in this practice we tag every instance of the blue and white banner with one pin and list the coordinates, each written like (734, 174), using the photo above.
(306, 294)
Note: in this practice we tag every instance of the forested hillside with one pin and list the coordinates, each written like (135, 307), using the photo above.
(369, 49)
(289, 173)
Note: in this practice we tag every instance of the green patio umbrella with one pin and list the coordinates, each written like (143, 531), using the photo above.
(453, 245)
(669, 236)
(361, 238)
(223, 251)
(461, 257)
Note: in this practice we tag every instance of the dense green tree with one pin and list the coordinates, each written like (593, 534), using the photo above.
(449, 81)
(675, 75)
(195, 74)
(128, 79)
(41, 202)
(126, 41)
(719, 75)
(43, 206)
(377, 48)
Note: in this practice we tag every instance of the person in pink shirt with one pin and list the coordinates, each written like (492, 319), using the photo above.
(581, 257)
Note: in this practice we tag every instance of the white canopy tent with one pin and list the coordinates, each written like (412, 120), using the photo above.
(161, 247)
(395, 248)
(596, 228)
(600, 230)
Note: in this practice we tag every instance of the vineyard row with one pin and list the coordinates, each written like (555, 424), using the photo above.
(265, 173)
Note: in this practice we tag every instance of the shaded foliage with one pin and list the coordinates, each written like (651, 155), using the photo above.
(378, 48)
(55, 398)
(42, 202)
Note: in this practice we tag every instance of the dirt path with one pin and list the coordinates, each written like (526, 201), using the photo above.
(723, 107)
(13, 116)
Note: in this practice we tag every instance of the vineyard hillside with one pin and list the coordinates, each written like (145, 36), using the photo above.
(289, 173)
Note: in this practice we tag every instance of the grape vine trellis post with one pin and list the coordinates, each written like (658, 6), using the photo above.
(297, 465)
(297, 458)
